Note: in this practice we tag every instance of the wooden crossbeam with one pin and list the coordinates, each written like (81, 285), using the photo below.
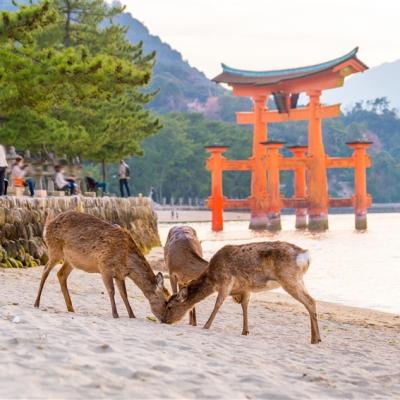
(287, 164)
(237, 165)
(290, 163)
(287, 203)
(296, 114)
(344, 162)
(236, 203)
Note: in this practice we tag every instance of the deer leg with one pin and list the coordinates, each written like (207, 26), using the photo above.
(245, 304)
(175, 286)
(222, 295)
(109, 284)
(193, 320)
(49, 266)
(174, 283)
(124, 295)
(62, 275)
(299, 292)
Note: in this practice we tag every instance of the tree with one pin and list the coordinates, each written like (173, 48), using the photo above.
(70, 85)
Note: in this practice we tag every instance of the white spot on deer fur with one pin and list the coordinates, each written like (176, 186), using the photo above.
(303, 259)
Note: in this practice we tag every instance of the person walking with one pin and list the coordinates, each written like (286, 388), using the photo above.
(3, 169)
(123, 174)
(18, 172)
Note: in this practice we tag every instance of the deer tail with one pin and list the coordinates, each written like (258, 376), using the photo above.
(303, 260)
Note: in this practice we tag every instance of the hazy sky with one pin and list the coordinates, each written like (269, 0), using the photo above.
(266, 34)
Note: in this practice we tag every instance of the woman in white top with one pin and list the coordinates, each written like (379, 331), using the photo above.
(3, 168)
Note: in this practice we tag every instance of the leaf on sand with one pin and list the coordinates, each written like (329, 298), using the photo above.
(152, 318)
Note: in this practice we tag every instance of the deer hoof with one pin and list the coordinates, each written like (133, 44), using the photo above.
(245, 333)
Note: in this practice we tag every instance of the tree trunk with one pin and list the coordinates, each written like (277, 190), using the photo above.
(103, 171)
(68, 25)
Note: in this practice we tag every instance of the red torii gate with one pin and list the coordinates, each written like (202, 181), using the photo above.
(311, 188)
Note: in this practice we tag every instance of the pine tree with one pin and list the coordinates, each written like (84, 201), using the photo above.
(70, 84)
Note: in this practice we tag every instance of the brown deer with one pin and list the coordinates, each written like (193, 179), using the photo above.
(240, 270)
(92, 245)
(183, 256)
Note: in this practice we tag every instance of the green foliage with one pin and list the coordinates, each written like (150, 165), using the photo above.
(173, 161)
(69, 85)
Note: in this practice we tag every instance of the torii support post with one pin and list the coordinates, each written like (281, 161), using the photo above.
(258, 197)
(300, 190)
(318, 185)
(216, 200)
(361, 198)
(274, 195)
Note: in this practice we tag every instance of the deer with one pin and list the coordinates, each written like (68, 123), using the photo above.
(88, 243)
(183, 257)
(239, 270)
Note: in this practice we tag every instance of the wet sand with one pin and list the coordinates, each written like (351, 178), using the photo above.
(165, 216)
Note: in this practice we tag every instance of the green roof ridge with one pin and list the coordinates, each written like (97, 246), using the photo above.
(283, 72)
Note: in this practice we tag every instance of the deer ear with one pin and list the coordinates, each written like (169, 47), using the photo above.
(182, 295)
(160, 280)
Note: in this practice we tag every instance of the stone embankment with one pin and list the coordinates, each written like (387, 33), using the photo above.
(22, 220)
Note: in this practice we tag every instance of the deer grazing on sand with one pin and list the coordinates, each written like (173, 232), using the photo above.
(92, 245)
(240, 270)
(183, 256)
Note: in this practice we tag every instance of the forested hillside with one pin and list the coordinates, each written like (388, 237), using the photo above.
(173, 161)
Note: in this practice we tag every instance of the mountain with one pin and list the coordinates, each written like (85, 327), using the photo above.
(181, 86)
(380, 81)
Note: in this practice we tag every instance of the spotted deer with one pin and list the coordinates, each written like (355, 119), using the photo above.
(240, 270)
(92, 245)
(183, 256)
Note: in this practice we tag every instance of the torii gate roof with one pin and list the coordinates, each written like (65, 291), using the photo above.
(341, 67)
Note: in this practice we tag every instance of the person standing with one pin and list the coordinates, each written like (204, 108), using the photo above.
(3, 168)
(18, 172)
(123, 174)
(153, 194)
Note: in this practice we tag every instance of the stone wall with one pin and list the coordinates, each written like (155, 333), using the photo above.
(22, 220)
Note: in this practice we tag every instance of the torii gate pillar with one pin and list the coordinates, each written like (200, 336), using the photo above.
(317, 186)
(300, 189)
(361, 198)
(216, 200)
(258, 197)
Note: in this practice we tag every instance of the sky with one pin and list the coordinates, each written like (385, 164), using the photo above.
(265, 34)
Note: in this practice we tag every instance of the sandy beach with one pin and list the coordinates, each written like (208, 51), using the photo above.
(49, 353)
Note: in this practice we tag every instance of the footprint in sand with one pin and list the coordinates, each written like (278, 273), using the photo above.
(142, 375)
(104, 348)
(13, 341)
(161, 343)
(162, 368)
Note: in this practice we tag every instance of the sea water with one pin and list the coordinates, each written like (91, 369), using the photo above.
(359, 269)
